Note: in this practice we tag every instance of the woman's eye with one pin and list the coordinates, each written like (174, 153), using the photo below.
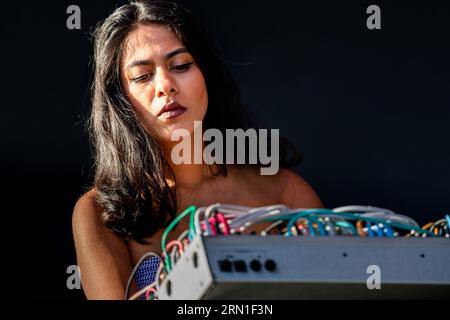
(182, 67)
(141, 78)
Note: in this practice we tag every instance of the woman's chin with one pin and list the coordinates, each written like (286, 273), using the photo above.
(176, 130)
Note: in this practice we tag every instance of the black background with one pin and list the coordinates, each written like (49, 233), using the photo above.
(369, 109)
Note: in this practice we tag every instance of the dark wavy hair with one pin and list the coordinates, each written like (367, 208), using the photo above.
(130, 169)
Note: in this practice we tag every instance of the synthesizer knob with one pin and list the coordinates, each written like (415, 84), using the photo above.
(240, 266)
(225, 265)
(270, 265)
(255, 265)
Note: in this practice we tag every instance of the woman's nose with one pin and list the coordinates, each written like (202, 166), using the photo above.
(164, 84)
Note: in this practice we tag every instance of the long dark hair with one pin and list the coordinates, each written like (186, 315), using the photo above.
(130, 169)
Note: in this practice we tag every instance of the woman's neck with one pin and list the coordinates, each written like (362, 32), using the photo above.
(187, 175)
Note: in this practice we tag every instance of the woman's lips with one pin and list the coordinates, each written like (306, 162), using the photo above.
(171, 111)
(171, 114)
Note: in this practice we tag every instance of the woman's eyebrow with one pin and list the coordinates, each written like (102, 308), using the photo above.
(175, 52)
(148, 62)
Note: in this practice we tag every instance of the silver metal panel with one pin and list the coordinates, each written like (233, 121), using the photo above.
(314, 267)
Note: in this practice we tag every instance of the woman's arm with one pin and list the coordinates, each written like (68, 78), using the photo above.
(102, 256)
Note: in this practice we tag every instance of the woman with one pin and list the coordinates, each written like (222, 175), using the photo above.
(155, 72)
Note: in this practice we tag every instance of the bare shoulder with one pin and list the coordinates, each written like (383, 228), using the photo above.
(102, 255)
(86, 211)
(86, 219)
(87, 200)
(285, 187)
(296, 192)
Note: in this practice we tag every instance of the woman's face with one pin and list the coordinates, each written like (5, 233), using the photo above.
(162, 81)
